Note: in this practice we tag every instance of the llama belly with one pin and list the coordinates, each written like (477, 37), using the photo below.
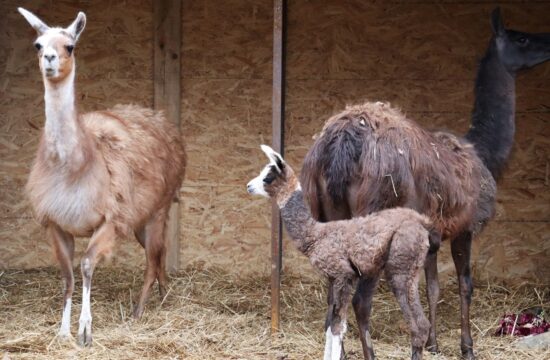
(71, 206)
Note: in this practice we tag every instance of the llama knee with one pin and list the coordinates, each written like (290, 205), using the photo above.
(421, 335)
(86, 267)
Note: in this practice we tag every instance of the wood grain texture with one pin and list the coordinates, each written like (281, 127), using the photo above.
(167, 96)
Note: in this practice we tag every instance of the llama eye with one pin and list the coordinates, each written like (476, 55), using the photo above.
(522, 40)
(70, 49)
(37, 46)
(269, 178)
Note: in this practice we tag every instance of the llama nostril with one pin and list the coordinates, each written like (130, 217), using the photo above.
(49, 57)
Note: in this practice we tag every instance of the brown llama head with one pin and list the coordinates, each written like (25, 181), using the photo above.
(277, 180)
(55, 46)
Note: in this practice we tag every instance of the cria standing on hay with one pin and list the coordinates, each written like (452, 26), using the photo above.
(372, 157)
(394, 241)
(103, 174)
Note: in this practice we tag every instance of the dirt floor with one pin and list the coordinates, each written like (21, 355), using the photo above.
(210, 313)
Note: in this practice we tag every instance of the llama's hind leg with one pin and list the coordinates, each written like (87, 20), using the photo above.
(63, 245)
(422, 324)
(338, 325)
(432, 293)
(161, 273)
(155, 252)
(362, 305)
(101, 244)
(461, 249)
(400, 285)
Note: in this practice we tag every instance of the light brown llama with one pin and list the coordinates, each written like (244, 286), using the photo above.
(103, 174)
(395, 241)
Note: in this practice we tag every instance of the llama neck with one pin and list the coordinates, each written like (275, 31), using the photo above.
(62, 130)
(493, 118)
(298, 221)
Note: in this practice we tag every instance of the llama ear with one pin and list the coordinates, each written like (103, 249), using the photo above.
(76, 28)
(34, 21)
(274, 157)
(496, 22)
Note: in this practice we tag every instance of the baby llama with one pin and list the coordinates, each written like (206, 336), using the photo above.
(395, 241)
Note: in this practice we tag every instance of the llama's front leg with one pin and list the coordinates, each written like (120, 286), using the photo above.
(100, 245)
(432, 293)
(460, 249)
(338, 326)
(362, 305)
(63, 246)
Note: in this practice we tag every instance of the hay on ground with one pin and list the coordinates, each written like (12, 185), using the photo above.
(210, 313)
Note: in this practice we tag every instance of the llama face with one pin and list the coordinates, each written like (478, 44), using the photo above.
(272, 176)
(55, 45)
(519, 50)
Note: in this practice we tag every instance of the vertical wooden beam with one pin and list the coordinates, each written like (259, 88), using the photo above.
(279, 9)
(167, 94)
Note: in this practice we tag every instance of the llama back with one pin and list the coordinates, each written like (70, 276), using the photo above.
(435, 173)
(146, 169)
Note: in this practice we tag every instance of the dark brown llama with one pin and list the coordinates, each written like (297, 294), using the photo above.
(371, 157)
(393, 241)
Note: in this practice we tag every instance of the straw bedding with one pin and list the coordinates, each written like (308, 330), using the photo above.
(211, 313)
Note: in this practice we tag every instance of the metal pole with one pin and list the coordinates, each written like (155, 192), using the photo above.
(279, 10)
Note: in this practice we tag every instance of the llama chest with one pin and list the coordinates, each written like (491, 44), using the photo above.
(71, 205)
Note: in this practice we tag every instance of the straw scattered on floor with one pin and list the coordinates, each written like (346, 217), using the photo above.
(211, 313)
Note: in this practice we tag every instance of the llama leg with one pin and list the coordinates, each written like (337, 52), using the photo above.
(400, 285)
(460, 249)
(154, 244)
(63, 245)
(432, 292)
(328, 319)
(338, 326)
(161, 273)
(421, 322)
(101, 244)
(362, 305)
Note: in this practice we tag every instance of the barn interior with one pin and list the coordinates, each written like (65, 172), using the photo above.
(420, 56)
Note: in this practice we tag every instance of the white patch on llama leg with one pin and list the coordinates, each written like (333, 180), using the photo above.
(328, 344)
(65, 329)
(85, 322)
(368, 339)
(336, 349)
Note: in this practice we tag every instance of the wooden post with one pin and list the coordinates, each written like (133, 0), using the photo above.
(167, 94)
(278, 109)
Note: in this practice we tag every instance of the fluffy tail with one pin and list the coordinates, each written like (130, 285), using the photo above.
(333, 157)
(435, 241)
(434, 236)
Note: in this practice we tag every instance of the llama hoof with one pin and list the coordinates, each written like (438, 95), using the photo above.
(85, 338)
(85, 333)
(162, 292)
(468, 355)
(432, 347)
(138, 312)
(64, 335)
(416, 353)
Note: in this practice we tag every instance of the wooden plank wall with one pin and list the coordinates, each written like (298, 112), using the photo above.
(421, 56)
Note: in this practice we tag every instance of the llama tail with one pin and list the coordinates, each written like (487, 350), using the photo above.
(334, 157)
(435, 241)
(434, 237)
